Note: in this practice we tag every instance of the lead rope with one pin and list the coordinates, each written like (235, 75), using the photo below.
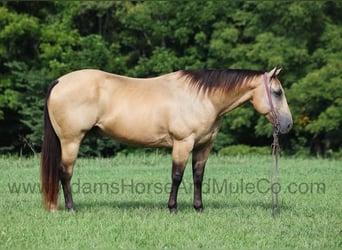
(275, 155)
(274, 175)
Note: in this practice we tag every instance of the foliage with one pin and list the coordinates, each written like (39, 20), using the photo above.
(40, 41)
(244, 150)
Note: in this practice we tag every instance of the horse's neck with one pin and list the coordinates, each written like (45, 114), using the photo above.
(227, 101)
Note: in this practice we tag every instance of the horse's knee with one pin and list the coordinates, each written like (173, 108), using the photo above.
(177, 177)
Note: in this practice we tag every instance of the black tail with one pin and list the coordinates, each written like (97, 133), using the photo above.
(50, 159)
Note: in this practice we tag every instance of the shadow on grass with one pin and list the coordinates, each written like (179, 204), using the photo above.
(183, 205)
(124, 205)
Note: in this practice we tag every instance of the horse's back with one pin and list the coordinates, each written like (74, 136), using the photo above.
(143, 112)
(117, 104)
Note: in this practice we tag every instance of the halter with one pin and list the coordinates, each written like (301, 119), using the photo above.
(275, 154)
(274, 114)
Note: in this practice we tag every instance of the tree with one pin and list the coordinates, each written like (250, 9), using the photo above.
(40, 41)
(318, 96)
(18, 35)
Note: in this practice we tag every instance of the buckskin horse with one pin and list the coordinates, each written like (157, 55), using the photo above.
(180, 110)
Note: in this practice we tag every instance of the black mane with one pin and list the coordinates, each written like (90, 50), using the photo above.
(226, 80)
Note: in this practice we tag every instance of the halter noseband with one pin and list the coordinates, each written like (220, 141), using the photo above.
(274, 114)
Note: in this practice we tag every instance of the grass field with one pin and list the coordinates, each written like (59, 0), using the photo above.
(122, 201)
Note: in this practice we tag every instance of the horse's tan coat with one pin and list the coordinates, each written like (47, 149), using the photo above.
(156, 112)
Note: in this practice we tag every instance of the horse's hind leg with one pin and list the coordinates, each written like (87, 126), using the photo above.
(69, 155)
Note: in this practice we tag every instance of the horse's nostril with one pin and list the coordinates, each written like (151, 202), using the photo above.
(289, 125)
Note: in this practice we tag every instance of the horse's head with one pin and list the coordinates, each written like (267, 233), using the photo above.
(269, 99)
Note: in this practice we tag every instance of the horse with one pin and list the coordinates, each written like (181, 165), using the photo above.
(181, 110)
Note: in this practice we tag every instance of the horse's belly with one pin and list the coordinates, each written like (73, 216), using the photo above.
(144, 140)
(137, 134)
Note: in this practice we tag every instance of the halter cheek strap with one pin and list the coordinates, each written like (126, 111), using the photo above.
(274, 114)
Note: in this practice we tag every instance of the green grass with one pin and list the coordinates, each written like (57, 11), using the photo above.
(137, 216)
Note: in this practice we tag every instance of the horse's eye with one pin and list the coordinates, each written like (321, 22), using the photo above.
(278, 92)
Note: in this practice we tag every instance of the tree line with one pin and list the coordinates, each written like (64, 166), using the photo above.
(40, 41)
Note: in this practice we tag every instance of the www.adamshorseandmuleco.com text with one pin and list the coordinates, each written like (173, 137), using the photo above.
(210, 186)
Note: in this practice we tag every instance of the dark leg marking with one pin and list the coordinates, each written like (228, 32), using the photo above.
(198, 173)
(65, 181)
(177, 176)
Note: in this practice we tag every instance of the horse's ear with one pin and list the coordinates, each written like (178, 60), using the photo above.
(274, 72)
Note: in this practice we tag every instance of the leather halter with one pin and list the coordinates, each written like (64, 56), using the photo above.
(274, 114)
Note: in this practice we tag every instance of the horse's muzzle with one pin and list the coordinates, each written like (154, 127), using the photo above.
(285, 124)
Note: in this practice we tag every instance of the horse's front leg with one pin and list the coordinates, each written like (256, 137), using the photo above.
(199, 159)
(180, 155)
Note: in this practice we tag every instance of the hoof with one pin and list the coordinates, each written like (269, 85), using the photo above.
(199, 209)
(173, 210)
(72, 209)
